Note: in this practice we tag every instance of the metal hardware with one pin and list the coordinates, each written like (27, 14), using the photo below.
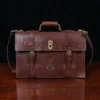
(85, 33)
(80, 30)
(69, 53)
(50, 68)
(32, 53)
(59, 27)
(50, 44)
(16, 31)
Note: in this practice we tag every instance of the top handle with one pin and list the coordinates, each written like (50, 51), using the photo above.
(50, 23)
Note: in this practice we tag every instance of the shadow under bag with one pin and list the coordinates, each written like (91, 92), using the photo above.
(53, 54)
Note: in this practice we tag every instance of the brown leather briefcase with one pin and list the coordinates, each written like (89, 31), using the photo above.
(43, 54)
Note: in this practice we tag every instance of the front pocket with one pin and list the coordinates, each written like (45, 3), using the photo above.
(49, 64)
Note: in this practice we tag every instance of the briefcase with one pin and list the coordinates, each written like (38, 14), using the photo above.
(50, 54)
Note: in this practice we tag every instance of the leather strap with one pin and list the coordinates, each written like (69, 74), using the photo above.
(13, 70)
(68, 62)
(86, 35)
(68, 58)
(32, 54)
(91, 46)
(32, 63)
(11, 33)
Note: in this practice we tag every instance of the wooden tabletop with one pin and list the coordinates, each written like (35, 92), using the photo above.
(50, 89)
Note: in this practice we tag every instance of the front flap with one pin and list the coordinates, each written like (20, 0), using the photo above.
(50, 41)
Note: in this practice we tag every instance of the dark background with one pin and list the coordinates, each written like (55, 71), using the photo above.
(71, 14)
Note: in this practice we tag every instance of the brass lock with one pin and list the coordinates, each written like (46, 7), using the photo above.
(50, 44)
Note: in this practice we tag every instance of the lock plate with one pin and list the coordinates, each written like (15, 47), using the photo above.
(50, 67)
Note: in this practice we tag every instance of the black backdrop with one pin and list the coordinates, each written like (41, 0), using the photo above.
(71, 14)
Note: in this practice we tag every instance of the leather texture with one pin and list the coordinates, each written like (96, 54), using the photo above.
(50, 63)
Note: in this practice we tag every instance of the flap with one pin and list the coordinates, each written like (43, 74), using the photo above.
(40, 41)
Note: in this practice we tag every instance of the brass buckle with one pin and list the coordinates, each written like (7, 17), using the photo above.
(32, 53)
(69, 53)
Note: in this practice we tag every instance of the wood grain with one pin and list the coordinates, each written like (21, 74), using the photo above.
(50, 89)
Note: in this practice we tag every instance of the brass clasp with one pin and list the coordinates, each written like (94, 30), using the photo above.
(50, 44)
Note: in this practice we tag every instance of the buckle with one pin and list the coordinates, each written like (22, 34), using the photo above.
(68, 53)
(32, 53)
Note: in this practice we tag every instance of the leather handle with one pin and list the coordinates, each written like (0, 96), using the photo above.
(50, 23)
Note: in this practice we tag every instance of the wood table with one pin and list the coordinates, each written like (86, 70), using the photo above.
(50, 89)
